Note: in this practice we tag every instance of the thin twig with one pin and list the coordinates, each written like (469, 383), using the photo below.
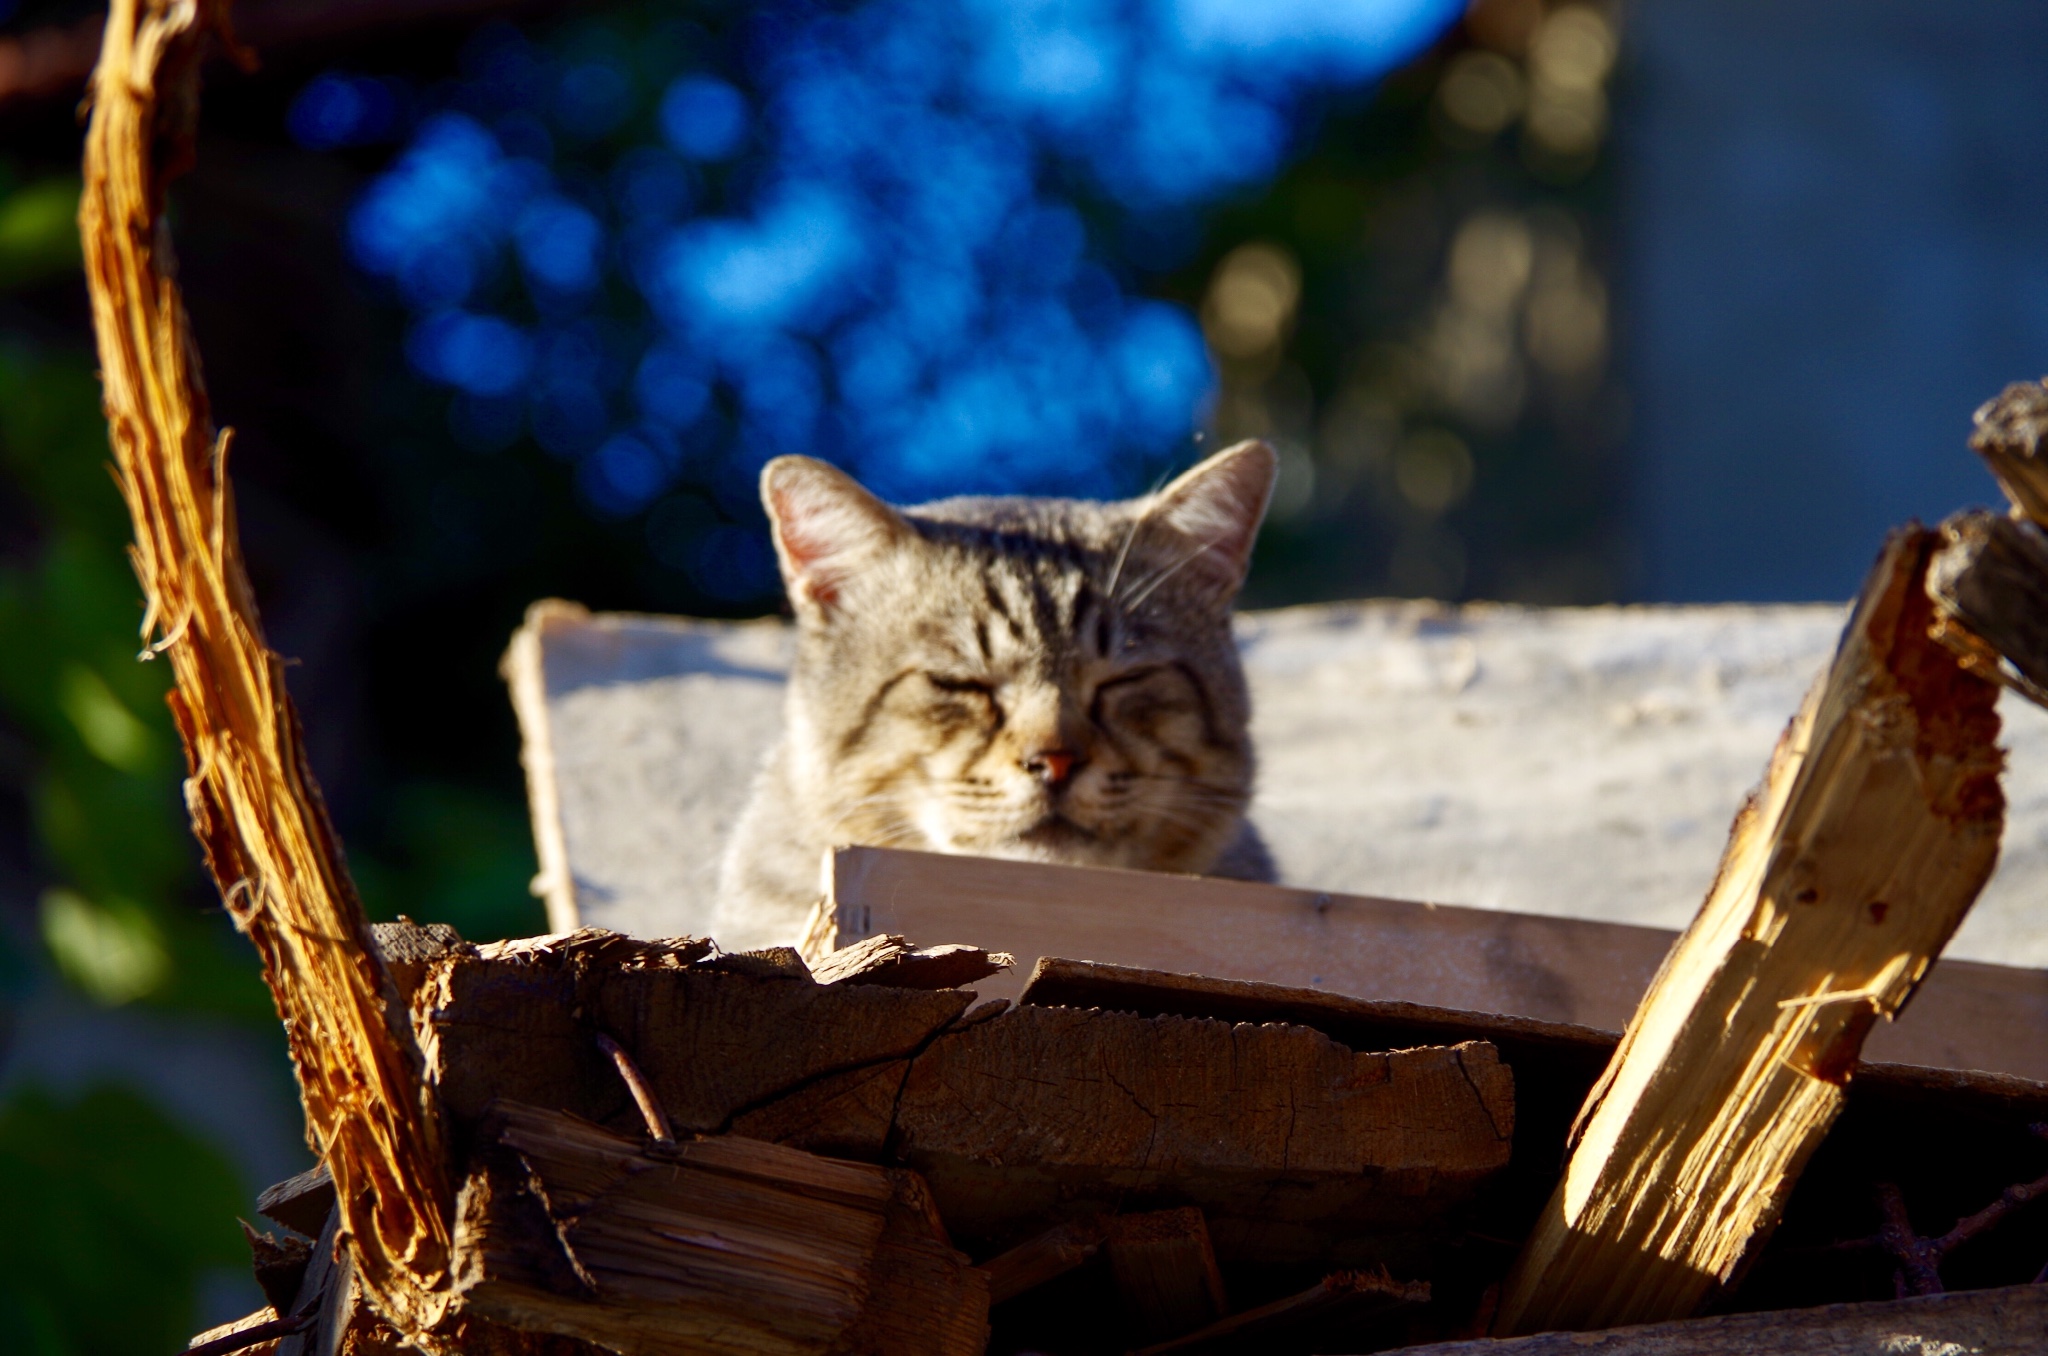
(643, 1094)
(1919, 1259)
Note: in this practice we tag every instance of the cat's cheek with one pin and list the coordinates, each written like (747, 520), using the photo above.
(930, 818)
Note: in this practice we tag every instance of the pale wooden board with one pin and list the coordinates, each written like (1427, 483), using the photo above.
(1579, 762)
(2012, 1319)
(1968, 1015)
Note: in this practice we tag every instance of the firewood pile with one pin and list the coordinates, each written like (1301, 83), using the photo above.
(589, 1143)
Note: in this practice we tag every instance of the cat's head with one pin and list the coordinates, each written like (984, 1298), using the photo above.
(1045, 679)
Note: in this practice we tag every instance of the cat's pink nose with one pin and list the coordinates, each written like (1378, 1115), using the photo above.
(1051, 766)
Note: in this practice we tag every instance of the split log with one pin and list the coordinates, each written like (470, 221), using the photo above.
(1296, 1147)
(1043, 1257)
(1991, 579)
(1942, 1135)
(1341, 1307)
(518, 1022)
(1165, 1269)
(926, 1300)
(279, 1263)
(2010, 1319)
(719, 1245)
(890, 960)
(2011, 434)
(1875, 827)
(255, 808)
(255, 1334)
(300, 1203)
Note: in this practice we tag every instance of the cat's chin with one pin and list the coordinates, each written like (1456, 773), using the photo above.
(1054, 839)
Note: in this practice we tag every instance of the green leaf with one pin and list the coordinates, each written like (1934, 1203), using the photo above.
(113, 1213)
(108, 728)
(39, 230)
(113, 949)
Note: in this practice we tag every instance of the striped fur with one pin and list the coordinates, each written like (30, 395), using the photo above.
(1044, 679)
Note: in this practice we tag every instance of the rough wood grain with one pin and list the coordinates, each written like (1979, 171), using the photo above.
(518, 1021)
(255, 1334)
(1989, 583)
(926, 1300)
(1334, 1309)
(720, 1245)
(254, 805)
(891, 960)
(300, 1202)
(1166, 1271)
(2010, 433)
(1875, 827)
(1967, 1015)
(1295, 1147)
(2011, 1319)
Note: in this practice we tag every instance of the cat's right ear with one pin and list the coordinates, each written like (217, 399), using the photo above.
(827, 529)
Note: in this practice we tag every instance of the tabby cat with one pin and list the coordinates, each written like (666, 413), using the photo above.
(1044, 679)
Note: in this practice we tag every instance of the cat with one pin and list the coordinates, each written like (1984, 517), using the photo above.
(1040, 679)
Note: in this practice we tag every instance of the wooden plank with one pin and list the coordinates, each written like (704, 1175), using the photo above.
(1342, 1306)
(1559, 969)
(2009, 1319)
(1967, 1015)
(1875, 827)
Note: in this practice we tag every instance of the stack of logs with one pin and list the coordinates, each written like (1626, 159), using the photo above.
(669, 1149)
(585, 1143)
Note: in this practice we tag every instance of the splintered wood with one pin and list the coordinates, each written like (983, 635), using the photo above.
(2011, 434)
(1874, 829)
(890, 960)
(1990, 580)
(724, 1245)
(1989, 583)
(254, 806)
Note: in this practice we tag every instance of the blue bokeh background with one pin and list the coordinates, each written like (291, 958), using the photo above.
(912, 237)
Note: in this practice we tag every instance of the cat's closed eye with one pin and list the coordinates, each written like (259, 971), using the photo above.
(954, 683)
(1156, 700)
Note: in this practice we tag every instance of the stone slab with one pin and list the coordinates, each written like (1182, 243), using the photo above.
(1581, 762)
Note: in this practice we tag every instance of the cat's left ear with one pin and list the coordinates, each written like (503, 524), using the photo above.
(1215, 511)
(827, 528)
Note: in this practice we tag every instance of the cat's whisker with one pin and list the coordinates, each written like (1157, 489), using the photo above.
(1123, 553)
(1162, 576)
